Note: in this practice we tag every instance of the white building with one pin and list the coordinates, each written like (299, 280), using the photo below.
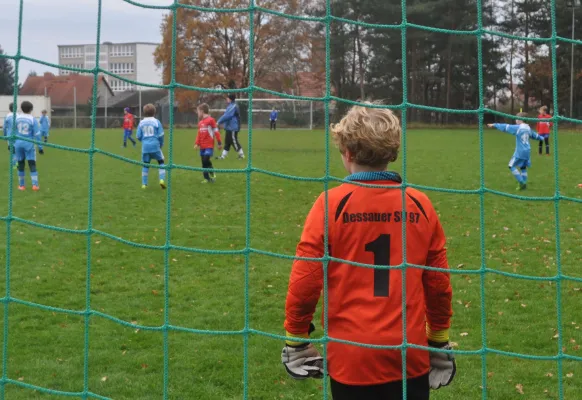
(133, 61)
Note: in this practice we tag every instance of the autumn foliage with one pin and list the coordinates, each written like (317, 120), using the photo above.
(213, 48)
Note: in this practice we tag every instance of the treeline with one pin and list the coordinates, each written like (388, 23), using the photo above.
(442, 69)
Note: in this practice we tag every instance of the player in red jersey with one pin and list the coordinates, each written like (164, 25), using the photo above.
(207, 131)
(365, 304)
(543, 129)
(128, 121)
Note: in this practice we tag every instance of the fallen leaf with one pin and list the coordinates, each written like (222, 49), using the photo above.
(37, 277)
(464, 333)
(519, 388)
(500, 313)
(549, 374)
(523, 305)
(557, 335)
(460, 265)
(490, 374)
(144, 366)
(103, 379)
(505, 228)
(21, 378)
(155, 292)
(569, 374)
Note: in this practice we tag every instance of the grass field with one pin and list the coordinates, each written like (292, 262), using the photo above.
(46, 348)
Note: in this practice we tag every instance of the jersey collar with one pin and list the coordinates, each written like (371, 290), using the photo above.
(375, 176)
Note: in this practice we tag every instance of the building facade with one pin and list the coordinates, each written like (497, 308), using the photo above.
(134, 61)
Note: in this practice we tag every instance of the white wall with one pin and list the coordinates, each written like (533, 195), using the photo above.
(39, 103)
(146, 70)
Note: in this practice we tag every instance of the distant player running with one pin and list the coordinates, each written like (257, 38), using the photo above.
(45, 125)
(231, 121)
(207, 131)
(521, 159)
(273, 117)
(7, 130)
(150, 133)
(128, 121)
(543, 129)
(26, 128)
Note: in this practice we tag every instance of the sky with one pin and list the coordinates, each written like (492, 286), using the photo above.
(48, 23)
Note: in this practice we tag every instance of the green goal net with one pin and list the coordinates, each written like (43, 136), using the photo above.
(89, 313)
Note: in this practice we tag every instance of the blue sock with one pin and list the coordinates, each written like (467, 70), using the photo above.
(162, 174)
(20, 178)
(524, 176)
(34, 178)
(517, 173)
(144, 176)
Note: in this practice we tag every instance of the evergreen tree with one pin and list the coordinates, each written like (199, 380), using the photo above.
(6, 75)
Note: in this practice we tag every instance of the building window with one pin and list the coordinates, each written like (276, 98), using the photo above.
(72, 52)
(120, 86)
(121, 68)
(121, 50)
(68, 72)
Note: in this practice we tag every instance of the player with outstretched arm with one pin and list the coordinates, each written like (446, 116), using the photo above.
(521, 159)
(365, 304)
(273, 117)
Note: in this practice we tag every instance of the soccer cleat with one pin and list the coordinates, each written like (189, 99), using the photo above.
(21, 188)
(204, 181)
(41, 151)
(241, 157)
(144, 186)
(580, 185)
(213, 176)
(219, 158)
(35, 188)
(162, 184)
(522, 186)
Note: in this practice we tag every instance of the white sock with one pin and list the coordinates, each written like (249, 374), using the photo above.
(224, 153)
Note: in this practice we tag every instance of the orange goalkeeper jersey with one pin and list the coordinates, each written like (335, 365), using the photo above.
(365, 304)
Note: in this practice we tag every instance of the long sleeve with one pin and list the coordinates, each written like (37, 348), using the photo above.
(35, 128)
(437, 287)
(5, 126)
(306, 280)
(139, 134)
(511, 129)
(535, 135)
(218, 138)
(228, 115)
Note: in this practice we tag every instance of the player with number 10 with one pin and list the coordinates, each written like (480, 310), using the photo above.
(150, 133)
(365, 304)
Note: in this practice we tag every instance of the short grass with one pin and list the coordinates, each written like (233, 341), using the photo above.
(207, 291)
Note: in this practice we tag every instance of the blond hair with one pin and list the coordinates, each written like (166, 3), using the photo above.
(544, 109)
(149, 110)
(371, 135)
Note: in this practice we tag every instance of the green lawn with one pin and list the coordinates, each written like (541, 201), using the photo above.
(207, 291)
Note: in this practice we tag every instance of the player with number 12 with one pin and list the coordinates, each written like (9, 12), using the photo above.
(364, 225)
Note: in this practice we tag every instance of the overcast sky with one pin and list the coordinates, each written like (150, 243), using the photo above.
(48, 23)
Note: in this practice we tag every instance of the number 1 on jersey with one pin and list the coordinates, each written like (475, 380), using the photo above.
(381, 249)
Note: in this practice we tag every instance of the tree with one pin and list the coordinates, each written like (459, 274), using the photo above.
(32, 73)
(214, 48)
(6, 75)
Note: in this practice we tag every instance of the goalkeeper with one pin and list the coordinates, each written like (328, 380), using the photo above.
(365, 304)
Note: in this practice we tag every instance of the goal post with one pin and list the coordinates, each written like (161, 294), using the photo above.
(292, 113)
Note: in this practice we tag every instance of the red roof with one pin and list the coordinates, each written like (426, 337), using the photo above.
(60, 88)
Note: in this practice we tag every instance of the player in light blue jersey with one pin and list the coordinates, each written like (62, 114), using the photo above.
(26, 128)
(45, 125)
(150, 133)
(521, 159)
(7, 130)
